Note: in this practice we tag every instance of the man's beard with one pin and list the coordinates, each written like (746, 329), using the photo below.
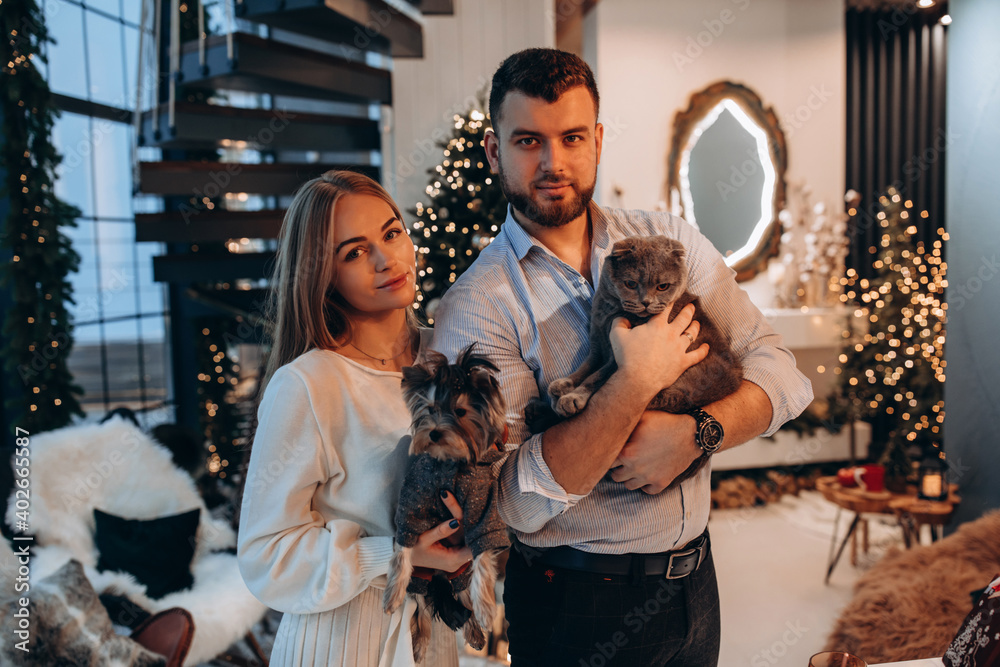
(550, 214)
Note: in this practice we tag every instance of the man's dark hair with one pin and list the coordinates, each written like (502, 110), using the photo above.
(544, 73)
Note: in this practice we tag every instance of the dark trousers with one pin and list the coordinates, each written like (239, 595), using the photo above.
(561, 617)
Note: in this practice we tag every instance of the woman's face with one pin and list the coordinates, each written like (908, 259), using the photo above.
(376, 262)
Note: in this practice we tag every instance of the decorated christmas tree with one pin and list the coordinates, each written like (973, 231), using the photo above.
(37, 328)
(465, 211)
(893, 366)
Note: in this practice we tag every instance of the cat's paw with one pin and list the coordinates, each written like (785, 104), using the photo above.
(572, 403)
(560, 387)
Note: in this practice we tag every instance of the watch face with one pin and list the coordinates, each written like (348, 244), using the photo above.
(711, 435)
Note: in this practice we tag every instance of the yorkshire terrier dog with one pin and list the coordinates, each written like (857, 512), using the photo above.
(458, 432)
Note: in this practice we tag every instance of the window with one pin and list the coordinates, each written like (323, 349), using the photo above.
(120, 355)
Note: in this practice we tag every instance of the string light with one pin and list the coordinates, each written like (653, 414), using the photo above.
(902, 321)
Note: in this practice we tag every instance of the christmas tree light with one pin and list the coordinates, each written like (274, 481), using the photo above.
(463, 216)
(892, 363)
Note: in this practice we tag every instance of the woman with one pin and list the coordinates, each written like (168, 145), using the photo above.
(316, 524)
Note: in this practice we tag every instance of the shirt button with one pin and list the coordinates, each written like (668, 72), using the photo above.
(582, 280)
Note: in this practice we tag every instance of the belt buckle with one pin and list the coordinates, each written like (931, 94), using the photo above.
(683, 554)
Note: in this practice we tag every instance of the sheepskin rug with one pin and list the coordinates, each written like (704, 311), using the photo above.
(912, 603)
(117, 468)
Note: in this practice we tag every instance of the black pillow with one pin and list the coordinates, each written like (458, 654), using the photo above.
(157, 552)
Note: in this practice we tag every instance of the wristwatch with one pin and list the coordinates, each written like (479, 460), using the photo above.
(708, 432)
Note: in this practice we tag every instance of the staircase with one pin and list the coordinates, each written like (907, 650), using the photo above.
(287, 90)
(306, 55)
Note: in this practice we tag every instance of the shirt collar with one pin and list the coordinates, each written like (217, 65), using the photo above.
(521, 241)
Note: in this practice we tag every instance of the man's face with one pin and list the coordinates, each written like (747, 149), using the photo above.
(547, 155)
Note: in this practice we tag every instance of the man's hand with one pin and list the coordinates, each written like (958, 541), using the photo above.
(659, 449)
(653, 355)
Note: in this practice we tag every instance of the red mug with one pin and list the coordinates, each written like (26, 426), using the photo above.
(870, 477)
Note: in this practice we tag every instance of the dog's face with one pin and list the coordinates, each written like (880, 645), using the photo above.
(457, 409)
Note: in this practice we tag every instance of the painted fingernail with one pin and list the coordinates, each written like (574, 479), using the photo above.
(444, 493)
(453, 523)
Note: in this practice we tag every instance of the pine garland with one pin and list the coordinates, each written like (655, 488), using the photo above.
(466, 210)
(37, 330)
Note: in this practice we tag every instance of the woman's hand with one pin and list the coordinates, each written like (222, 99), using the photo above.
(430, 552)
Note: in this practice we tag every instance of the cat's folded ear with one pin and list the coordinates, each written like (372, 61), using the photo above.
(673, 246)
(622, 248)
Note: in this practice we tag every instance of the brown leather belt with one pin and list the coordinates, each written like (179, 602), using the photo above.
(675, 564)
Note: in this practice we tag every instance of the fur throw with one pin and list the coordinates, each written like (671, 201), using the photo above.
(912, 603)
(68, 626)
(117, 468)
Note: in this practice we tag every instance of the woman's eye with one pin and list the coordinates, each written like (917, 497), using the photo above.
(460, 412)
(392, 233)
(354, 254)
(663, 287)
(631, 284)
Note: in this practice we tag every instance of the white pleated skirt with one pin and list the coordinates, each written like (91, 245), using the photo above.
(353, 635)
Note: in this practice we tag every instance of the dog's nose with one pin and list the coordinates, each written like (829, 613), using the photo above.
(435, 436)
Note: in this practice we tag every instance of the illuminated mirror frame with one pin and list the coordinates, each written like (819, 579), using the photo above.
(762, 124)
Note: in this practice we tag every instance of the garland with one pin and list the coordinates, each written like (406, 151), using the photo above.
(37, 328)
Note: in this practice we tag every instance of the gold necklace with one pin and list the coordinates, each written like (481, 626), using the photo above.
(384, 361)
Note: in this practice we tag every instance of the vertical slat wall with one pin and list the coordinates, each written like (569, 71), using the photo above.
(896, 132)
(461, 52)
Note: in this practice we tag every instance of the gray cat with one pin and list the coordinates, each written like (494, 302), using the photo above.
(641, 277)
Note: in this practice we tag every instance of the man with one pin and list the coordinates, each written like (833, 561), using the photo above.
(608, 568)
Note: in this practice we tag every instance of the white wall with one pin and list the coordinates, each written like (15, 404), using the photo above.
(650, 55)
(461, 52)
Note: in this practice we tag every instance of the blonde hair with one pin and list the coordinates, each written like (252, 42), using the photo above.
(304, 311)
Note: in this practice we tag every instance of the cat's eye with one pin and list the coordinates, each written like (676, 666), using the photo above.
(460, 412)
(662, 287)
(631, 284)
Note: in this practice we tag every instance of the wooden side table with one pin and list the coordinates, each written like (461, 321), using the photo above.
(910, 512)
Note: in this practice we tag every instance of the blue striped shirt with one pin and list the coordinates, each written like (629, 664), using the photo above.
(530, 313)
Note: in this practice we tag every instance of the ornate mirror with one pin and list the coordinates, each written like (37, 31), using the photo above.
(726, 173)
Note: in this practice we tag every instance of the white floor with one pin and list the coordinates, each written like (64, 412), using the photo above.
(771, 562)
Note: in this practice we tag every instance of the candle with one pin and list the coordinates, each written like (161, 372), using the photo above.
(932, 485)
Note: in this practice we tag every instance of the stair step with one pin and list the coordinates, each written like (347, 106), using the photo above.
(250, 304)
(365, 24)
(266, 66)
(210, 267)
(200, 125)
(436, 7)
(210, 179)
(198, 225)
